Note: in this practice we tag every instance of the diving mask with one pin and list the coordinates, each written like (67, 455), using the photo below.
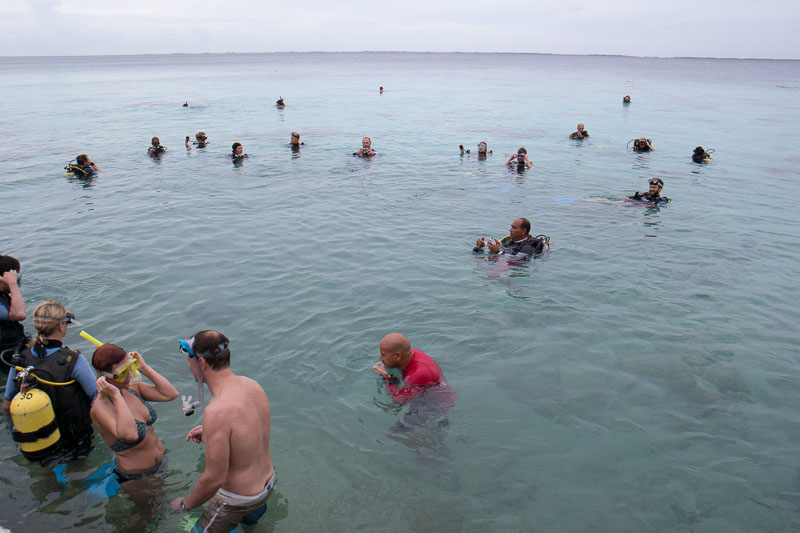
(130, 369)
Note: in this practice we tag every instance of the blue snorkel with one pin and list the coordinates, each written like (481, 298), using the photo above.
(188, 407)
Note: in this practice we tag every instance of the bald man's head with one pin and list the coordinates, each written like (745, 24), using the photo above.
(395, 350)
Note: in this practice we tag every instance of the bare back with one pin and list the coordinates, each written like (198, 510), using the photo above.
(241, 410)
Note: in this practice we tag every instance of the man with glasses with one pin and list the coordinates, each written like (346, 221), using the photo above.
(518, 244)
(239, 476)
(12, 306)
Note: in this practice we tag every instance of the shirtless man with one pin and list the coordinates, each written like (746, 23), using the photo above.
(239, 476)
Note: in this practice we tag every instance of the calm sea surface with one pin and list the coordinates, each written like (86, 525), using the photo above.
(643, 376)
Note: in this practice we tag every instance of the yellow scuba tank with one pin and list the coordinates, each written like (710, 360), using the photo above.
(35, 425)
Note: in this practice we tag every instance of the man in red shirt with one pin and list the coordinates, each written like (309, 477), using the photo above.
(420, 373)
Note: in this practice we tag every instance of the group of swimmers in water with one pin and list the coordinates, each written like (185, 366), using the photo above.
(83, 167)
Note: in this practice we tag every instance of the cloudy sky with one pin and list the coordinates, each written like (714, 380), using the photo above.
(704, 28)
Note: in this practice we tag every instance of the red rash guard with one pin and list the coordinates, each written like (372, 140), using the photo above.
(420, 373)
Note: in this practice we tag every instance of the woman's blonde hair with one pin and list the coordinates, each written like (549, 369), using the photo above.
(46, 318)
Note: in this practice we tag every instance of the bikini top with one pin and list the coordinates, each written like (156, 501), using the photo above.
(141, 427)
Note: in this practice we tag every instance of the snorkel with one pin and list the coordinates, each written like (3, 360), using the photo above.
(188, 407)
(131, 367)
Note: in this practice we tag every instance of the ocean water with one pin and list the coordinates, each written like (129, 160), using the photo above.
(642, 376)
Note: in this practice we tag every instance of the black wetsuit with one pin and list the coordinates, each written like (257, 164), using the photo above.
(647, 198)
(70, 402)
(574, 135)
(529, 246)
(12, 334)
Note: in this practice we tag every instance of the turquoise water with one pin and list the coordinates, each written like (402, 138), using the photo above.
(641, 377)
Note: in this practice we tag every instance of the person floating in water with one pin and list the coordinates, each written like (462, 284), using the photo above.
(626, 99)
(483, 150)
(580, 134)
(294, 141)
(461, 149)
(122, 414)
(653, 196)
(237, 152)
(280, 104)
(156, 149)
(521, 158)
(422, 379)
(83, 167)
(381, 89)
(642, 144)
(700, 155)
(518, 244)
(202, 139)
(186, 103)
(366, 148)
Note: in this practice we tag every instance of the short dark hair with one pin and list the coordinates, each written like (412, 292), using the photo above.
(8, 262)
(235, 146)
(522, 151)
(526, 225)
(82, 159)
(213, 347)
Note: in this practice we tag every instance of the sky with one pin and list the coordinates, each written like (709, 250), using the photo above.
(664, 28)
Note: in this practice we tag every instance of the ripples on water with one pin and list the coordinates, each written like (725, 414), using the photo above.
(641, 377)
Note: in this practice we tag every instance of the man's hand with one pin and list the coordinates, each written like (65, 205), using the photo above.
(494, 246)
(196, 434)
(480, 243)
(381, 370)
(175, 505)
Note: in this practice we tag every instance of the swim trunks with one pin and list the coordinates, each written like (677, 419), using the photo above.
(225, 510)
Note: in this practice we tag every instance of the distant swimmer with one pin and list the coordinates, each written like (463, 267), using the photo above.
(366, 148)
(653, 196)
(627, 99)
(83, 167)
(156, 149)
(461, 149)
(580, 134)
(520, 158)
(381, 89)
(202, 139)
(294, 141)
(186, 103)
(483, 150)
(280, 104)
(642, 144)
(701, 155)
(237, 152)
(518, 244)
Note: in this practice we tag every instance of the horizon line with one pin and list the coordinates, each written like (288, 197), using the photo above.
(401, 52)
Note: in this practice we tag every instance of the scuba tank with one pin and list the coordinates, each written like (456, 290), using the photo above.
(35, 424)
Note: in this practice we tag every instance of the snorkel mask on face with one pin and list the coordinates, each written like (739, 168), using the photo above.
(188, 407)
(129, 370)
